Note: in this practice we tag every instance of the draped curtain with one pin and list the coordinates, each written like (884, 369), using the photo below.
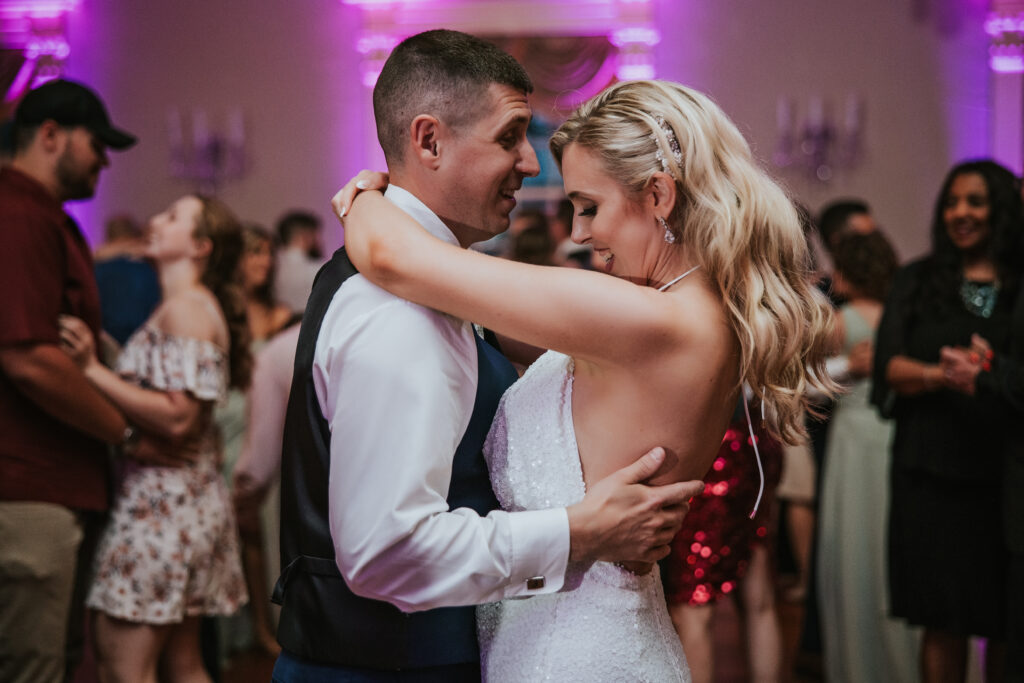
(565, 70)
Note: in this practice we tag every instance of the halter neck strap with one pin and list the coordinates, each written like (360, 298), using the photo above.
(672, 282)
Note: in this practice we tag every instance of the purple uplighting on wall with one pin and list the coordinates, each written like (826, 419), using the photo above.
(375, 48)
(38, 9)
(635, 34)
(1006, 63)
(1006, 54)
(635, 58)
(36, 27)
(997, 24)
(372, 3)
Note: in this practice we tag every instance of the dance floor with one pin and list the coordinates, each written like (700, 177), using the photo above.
(254, 666)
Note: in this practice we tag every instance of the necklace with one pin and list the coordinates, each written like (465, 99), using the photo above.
(669, 284)
(979, 297)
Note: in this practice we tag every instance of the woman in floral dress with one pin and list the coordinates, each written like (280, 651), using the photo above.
(170, 552)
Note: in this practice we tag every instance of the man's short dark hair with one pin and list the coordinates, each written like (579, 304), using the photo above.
(834, 217)
(441, 73)
(296, 220)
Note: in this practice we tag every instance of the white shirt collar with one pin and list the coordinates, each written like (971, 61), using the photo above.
(412, 205)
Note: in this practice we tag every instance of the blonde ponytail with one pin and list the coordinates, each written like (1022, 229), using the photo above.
(732, 220)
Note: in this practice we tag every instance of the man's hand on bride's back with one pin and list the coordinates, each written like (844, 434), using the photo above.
(624, 520)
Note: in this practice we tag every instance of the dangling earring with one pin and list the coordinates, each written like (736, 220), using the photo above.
(670, 237)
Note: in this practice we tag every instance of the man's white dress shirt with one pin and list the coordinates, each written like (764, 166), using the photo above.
(396, 382)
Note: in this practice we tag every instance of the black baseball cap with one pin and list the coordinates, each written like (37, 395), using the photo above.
(70, 104)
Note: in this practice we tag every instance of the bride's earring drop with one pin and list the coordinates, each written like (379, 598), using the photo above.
(670, 237)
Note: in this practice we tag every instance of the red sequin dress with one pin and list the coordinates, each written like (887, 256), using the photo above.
(712, 550)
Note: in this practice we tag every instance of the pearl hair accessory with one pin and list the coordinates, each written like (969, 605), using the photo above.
(673, 145)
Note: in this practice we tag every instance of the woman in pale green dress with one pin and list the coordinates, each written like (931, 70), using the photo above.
(862, 643)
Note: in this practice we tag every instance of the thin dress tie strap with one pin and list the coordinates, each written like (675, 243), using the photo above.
(746, 411)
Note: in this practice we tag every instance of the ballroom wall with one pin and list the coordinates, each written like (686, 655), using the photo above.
(292, 68)
(925, 83)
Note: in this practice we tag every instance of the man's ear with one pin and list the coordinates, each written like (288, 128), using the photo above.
(425, 132)
(50, 134)
(662, 189)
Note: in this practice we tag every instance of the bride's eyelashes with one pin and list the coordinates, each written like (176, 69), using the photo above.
(588, 212)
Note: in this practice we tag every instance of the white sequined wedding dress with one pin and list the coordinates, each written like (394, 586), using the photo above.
(614, 626)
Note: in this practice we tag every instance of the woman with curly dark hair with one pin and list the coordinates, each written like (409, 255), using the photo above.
(947, 564)
(266, 317)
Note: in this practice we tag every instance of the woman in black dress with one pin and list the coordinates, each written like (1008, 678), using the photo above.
(947, 559)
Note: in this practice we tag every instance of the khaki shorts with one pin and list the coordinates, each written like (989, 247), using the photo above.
(39, 544)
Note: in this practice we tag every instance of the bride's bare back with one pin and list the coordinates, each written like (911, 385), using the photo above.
(680, 397)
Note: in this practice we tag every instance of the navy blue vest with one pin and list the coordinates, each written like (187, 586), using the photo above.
(321, 619)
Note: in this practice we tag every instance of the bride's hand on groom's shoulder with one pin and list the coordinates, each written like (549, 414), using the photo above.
(364, 180)
(621, 519)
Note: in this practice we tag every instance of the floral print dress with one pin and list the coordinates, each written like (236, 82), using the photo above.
(170, 549)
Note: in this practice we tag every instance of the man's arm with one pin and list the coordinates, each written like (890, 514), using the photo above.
(620, 519)
(397, 386)
(398, 394)
(31, 264)
(51, 380)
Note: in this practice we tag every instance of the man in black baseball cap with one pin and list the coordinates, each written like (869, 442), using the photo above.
(70, 104)
(60, 133)
(55, 424)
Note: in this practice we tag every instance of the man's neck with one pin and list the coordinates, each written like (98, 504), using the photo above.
(427, 193)
(40, 171)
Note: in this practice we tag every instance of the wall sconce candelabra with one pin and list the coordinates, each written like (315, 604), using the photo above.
(815, 144)
(205, 156)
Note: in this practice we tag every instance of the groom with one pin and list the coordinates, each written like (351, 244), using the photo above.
(390, 530)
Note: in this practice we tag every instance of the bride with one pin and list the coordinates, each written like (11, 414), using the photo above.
(710, 293)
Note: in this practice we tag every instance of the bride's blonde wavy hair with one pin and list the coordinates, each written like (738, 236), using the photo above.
(732, 220)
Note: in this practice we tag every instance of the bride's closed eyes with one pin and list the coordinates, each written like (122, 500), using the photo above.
(588, 212)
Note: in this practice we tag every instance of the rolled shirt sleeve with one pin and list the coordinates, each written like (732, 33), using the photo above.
(397, 382)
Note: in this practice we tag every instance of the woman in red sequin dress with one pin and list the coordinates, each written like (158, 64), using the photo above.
(721, 551)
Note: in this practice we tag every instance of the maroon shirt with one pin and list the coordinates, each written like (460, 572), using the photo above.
(45, 271)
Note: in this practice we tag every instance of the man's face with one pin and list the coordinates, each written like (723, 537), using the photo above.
(483, 164)
(80, 163)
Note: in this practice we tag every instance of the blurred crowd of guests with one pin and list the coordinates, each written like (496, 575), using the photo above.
(147, 347)
(173, 343)
(902, 510)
